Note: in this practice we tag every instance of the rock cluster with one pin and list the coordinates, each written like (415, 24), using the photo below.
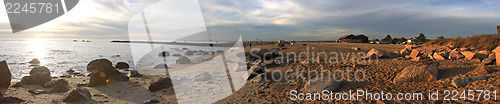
(38, 75)
(375, 53)
(103, 73)
(60, 85)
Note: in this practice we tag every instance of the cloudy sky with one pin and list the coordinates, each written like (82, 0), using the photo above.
(266, 19)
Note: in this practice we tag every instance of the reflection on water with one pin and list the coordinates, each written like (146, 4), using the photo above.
(37, 48)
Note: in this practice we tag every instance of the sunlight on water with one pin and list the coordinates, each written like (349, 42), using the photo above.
(37, 48)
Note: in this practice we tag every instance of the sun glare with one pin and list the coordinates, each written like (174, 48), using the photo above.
(37, 48)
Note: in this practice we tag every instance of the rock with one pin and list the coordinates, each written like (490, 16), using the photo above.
(417, 59)
(492, 56)
(184, 48)
(54, 83)
(405, 51)
(60, 88)
(99, 64)
(161, 66)
(462, 82)
(188, 53)
(34, 61)
(164, 54)
(160, 84)
(183, 60)
(37, 91)
(5, 77)
(103, 73)
(133, 73)
(497, 54)
(439, 56)
(487, 61)
(152, 101)
(356, 48)
(203, 77)
(38, 75)
(122, 65)
(70, 71)
(318, 85)
(455, 55)
(469, 55)
(373, 53)
(418, 73)
(219, 51)
(177, 55)
(483, 69)
(78, 94)
(10, 100)
(415, 53)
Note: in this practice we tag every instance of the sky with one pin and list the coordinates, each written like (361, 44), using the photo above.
(266, 19)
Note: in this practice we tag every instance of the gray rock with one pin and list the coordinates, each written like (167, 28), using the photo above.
(203, 77)
(160, 84)
(78, 94)
(164, 54)
(318, 85)
(188, 53)
(5, 77)
(34, 61)
(184, 48)
(183, 60)
(133, 73)
(122, 65)
(177, 55)
(462, 82)
(161, 66)
(54, 83)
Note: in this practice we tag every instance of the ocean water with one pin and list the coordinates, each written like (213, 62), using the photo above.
(62, 55)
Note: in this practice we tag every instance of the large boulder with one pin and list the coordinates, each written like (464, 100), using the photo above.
(464, 81)
(439, 55)
(318, 85)
(419, 73)
(374, 53)
(5, 77)
(188, 53)
(98, 64)
(497, 54)
(103, 73)
(160, 84)
(122, 65)
(183, 60)
(78, 94)
(455, 55)
(164, 54)
(203, 77)
(415, 53)
(405, 51)
(38, 75)
(469, 55)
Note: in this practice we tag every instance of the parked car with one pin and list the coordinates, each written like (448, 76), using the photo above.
(382, 42)
(372, 42)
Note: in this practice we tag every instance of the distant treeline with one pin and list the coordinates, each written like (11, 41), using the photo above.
(484, 41)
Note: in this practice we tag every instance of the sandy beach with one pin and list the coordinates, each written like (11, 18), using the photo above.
(379, 77)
